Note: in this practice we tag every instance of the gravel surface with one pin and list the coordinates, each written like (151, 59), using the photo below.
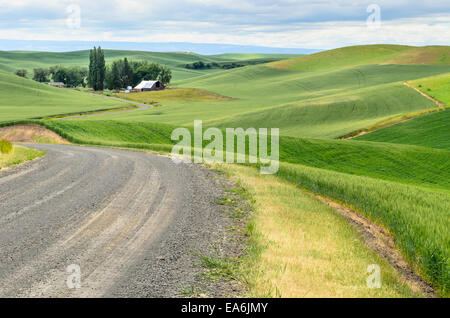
(131, 222)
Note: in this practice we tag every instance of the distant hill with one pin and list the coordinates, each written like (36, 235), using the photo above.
(12, 60)
(23, 98)
(201, 48)
(368, 54)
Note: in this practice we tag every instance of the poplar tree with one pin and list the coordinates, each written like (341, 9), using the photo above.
(97, 69)
(101, 68)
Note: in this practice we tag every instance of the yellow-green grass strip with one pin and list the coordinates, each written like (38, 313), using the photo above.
(19, 155)
(418, 218)
(300, 247)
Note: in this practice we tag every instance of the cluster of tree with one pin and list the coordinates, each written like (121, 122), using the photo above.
(70, 76)
(199, 65)
(202, 65)
(120, 74)
(41, 74)
(97, 69)
(21, 73)
(123, 73)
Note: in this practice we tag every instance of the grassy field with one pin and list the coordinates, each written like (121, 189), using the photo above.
(252, 56)
(397, 176)
(19, 155)
(327, 103)
(437, 87)
(417, 217)
(302, 248)
(23, 98)
(404, 188)
(10, 61)
(431, 130)
(368, 54)
(173, 95)
(406, 164)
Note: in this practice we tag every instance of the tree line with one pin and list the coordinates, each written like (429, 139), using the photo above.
(71, 76)
(224, 65)
(119, 74)
(200, 65)
(123, 73)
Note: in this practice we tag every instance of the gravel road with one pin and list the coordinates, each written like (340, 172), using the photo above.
(129, 220)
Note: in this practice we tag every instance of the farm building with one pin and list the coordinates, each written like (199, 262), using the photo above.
(56, 84)
(149, 86)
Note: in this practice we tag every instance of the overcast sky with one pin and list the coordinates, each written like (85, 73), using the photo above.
(319, 24)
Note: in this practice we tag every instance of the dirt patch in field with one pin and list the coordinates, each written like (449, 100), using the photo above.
(31, 133)
(379, 240)
(354, 136)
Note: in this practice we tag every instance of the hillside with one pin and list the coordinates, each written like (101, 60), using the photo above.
(368, 54)
(397, 177)
(437, 87)
(326, 103)
(10, 61)
(399, 163)
(404, 188)
(23, 98)
(431, 130)
(252, 56)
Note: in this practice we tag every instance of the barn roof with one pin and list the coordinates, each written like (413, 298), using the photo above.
(146, 84)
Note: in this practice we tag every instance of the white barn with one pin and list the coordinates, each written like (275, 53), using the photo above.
(149, 86)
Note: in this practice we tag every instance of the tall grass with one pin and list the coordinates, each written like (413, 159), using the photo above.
(432, 130)
(418, 218)
(6, 147)
(299, 247)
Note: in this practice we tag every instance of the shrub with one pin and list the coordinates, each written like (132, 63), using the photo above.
(21, 73)
(5, 146)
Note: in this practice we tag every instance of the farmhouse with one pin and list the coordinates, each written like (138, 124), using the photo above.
(149, 86)
(56, 84)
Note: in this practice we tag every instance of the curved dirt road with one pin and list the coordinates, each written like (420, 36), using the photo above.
(129, 220)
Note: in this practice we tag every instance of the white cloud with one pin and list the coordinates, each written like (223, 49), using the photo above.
(284, 23)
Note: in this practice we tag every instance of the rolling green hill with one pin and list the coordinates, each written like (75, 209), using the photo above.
(12, 60)
(252, 56)
(397, 177)
(437, 87)
(404, 188)
(431, 130)
(400, 163)
(368, 54)
(325, 103)
(23, 98)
